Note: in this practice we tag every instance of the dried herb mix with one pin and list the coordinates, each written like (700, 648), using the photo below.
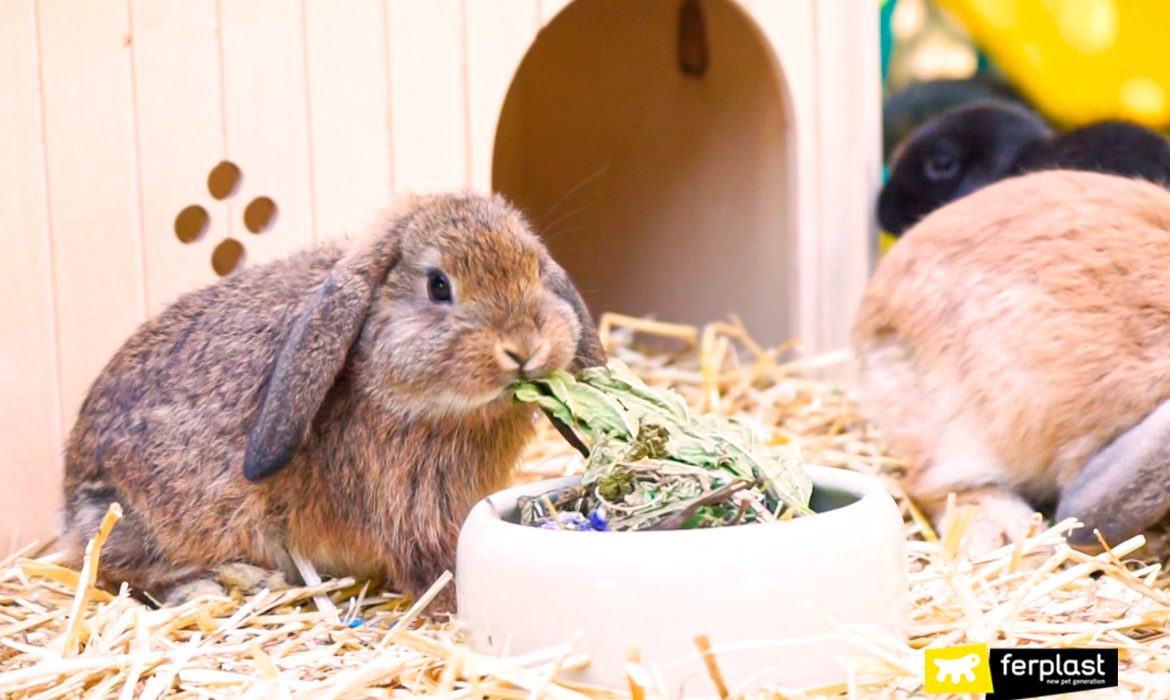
(651, 465)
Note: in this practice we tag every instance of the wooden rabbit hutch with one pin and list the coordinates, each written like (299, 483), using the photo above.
(687, 159)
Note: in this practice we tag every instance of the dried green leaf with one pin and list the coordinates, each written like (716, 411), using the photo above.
(653, 465)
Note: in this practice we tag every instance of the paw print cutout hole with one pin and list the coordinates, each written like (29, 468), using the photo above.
(224, 179)
(193, 222)
(227, 257)
(259, 214)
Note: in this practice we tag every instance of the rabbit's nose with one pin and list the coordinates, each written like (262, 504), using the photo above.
(522, 358)
(510, 356)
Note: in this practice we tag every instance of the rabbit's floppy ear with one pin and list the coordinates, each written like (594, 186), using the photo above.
(313, 354)
(589, 351)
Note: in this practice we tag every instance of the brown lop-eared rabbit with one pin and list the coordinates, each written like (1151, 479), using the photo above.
(1015, 346)
(347, 404)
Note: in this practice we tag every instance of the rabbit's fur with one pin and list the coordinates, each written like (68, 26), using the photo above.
(973, 146)
(324, 404)
(1003, 369)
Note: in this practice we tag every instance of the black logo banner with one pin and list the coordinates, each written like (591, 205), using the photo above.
(1032, 673)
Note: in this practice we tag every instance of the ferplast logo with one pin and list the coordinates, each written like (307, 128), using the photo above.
(1006, 674)
(962, 669)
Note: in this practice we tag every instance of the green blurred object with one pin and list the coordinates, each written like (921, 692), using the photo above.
(887, 34)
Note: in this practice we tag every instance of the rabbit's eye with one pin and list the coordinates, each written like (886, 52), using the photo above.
(941, 165)
(438, 287)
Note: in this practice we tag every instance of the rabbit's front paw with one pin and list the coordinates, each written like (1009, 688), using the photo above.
(1002, 518)
(194, 590)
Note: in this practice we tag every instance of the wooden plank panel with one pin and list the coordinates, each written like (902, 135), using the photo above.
(180, 137)
(266, 108)
(92, 183)
(830, 61)
(849, 109)
(349, 115)
(30, 464)
(428, 95)
(499, 32)
(790, 29)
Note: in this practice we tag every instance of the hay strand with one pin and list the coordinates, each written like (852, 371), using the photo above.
(87, 580)
(712, 666)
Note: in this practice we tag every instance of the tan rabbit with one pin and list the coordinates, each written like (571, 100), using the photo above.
(1015, 345)
(349, 403)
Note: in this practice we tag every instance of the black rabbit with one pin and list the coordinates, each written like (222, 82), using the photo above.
(971, 147)
(906, 109)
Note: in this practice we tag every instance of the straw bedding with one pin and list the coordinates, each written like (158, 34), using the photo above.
(59, 637)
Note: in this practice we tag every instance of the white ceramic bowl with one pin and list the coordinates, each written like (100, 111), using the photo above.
(525, 589)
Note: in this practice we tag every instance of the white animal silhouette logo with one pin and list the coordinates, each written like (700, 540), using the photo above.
(951, 670)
